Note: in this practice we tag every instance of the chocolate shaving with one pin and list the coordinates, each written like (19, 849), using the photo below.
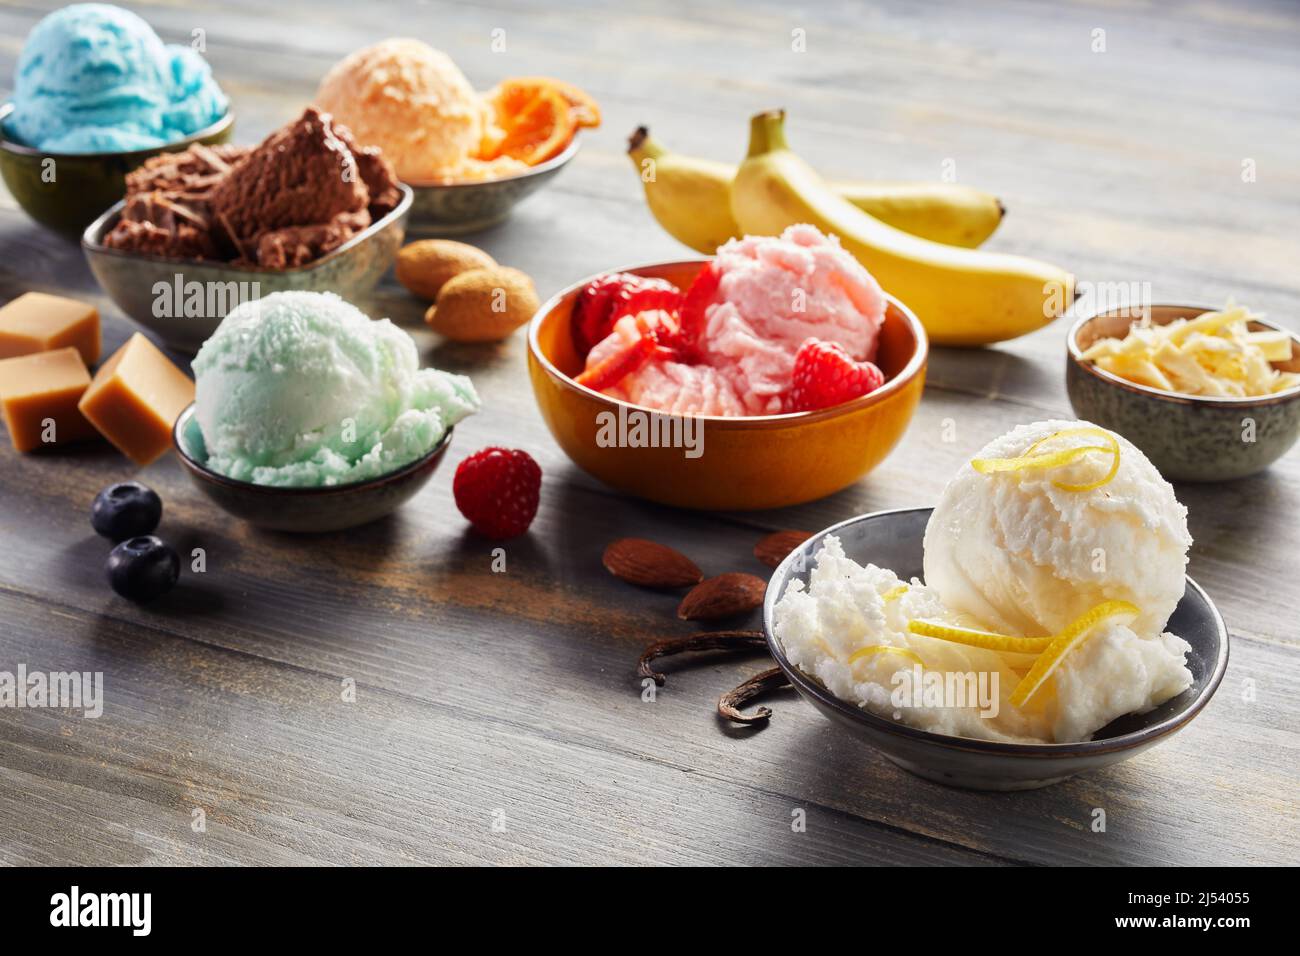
(729, 704)
(210, 157)
(734, 641)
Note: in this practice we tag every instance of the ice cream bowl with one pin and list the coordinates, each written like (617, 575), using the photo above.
(66, 191)
(893, 539)
(302, 510)
(450, 209)
(725, 463)
(184, 300)
(1187, 437)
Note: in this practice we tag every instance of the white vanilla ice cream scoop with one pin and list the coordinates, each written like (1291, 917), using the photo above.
(1024, 555)
(1055, 529)
(304, 389)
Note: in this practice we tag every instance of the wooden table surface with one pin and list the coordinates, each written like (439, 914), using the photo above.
(497, 718)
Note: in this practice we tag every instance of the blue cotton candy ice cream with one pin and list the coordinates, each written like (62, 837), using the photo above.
(302, 389)
(96, 78)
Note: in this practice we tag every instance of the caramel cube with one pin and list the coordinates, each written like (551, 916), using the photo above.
(36, 322)
(135, 399)
(39, 395)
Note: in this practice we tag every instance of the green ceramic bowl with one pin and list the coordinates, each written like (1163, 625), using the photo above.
(1187, 437)
(453, 209)
(302, 510)
(66, 191)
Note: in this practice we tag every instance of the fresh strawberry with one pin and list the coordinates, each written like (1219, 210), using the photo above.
(612, 370)
(606, 299)
(497, 489)
(826, 375)
(648, 300)
(668, 336)
(691, 310)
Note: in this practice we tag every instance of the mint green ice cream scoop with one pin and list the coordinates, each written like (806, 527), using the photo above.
(303, 389)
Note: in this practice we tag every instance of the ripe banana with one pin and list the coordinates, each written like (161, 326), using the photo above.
(691, 199)
(961, 296)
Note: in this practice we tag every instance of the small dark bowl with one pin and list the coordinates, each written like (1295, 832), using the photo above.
(85, 184)
(303, 510)
(892, 539)
(453, 209)
(131, 278)
(1187, 437)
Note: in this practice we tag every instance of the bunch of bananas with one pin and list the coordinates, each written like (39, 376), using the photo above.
(918, 239)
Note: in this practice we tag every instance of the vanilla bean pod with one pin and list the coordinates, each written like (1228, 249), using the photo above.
(729, 704)
(735, 641)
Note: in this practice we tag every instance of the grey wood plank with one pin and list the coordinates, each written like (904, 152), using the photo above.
(480, 691)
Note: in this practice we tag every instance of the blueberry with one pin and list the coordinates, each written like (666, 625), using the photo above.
(143, 568)
(125, 511)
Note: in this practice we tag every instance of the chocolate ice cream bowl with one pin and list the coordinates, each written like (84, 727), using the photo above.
(143, 286)
(302, 510)
(65, 191)
(453, 209)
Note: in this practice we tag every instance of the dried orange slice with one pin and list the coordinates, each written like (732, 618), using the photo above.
(1075, 634)
(513, 93)
(540, 130)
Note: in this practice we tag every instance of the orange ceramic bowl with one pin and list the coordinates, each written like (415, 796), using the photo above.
(739, 464)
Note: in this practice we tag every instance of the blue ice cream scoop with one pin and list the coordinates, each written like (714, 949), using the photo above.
(96, 78)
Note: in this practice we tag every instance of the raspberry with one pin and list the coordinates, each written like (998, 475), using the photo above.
(691, 310)
(606, 299)
(826, 375)
(497, 489)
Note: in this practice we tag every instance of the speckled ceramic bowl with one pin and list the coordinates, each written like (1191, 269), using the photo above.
(741, 463)
(453, 209)
(83, 184)
(304, 510)
(133, 280)
(893, 539)
(1187, 437)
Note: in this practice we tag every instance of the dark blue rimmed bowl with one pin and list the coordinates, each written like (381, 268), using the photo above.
(302, 510)
(893, 539)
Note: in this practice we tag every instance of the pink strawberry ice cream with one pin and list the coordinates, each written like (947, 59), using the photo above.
(772, 294)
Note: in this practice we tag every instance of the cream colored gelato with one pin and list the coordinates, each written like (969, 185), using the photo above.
(415, 104)
(996, 538)
(1023, 555)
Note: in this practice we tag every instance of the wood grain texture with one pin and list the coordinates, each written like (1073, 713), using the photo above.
(512, 697)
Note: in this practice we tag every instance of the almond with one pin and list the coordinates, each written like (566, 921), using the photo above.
(724, 596)
(483, 305)
(650, 564)
(773, 549)
(424, 267)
